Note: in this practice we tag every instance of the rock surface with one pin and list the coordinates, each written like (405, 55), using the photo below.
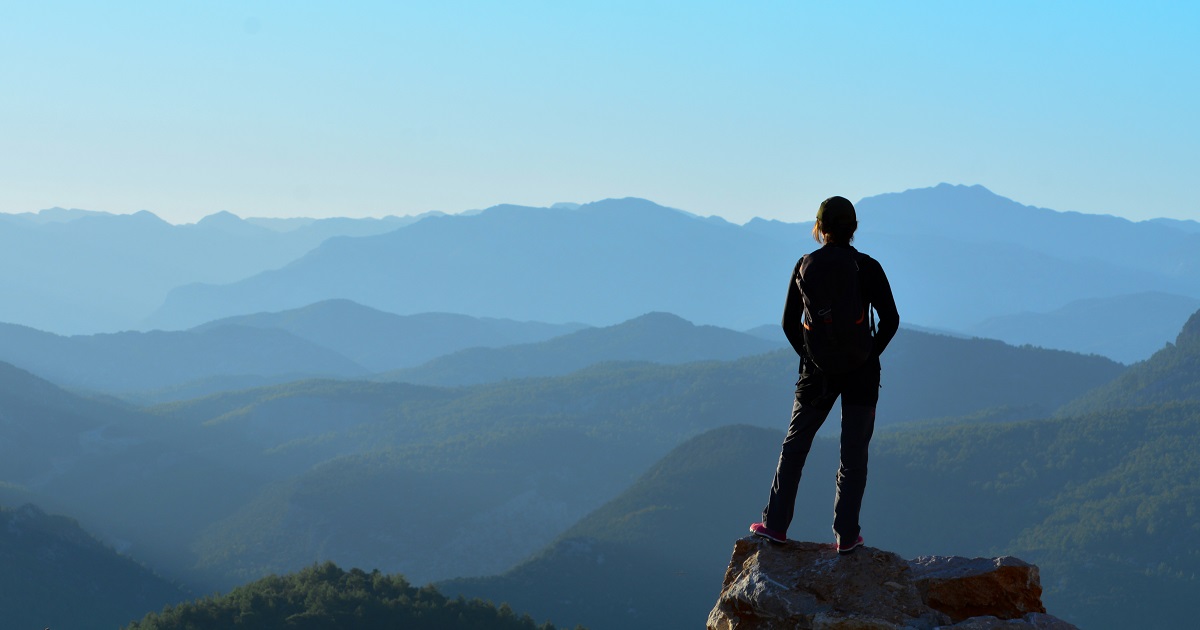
(795, 585)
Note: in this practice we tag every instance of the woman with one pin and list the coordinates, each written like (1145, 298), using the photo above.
(839, 356)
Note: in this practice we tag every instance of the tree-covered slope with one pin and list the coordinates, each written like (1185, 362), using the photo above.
(1105, 503)
(653, 557)
(54, 574)
(226, 488)
(324, 597)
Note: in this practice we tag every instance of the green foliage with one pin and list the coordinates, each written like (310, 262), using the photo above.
(324, 597)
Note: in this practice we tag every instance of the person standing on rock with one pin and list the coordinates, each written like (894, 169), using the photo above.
(829, 319)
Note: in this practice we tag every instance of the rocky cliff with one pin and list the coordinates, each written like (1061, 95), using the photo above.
(800, 585)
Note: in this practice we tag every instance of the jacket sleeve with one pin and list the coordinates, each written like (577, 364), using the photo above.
(793, 314)
(880, 294)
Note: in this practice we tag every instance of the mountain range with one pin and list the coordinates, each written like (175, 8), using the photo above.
(222, 489)
(956, 256)
(82, 272)
(380, 341)
(960, 258)
(1104, 502)
(654, 337)
(341, 397)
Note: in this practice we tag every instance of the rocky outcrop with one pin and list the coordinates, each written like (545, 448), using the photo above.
(800, 585)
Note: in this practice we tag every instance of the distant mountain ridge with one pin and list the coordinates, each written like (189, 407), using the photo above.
(654, 337)
(382, 341)
(602, 263)
(956, 256)
(130, 362)
(332, 339)
(1134, 325)
(1172, 374)
(78, 271)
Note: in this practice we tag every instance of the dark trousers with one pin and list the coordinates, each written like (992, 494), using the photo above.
(816, 392)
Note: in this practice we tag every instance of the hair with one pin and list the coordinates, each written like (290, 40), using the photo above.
(837, 234)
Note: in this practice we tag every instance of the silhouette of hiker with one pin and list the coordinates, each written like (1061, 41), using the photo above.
(827, 320)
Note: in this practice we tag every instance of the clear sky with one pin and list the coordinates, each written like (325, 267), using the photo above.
(739, 109)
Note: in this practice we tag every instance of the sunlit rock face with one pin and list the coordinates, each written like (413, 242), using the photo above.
(797, 585)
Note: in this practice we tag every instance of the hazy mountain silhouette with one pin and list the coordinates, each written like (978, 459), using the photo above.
(976, 215)
(45, 429)
(383, 341)
(956, 256)
(1172, 374)
(602, 263)
(76, 271)
(1135, 325)
(1177, 224)
(932, 376)
(655, 337)
(132, 362)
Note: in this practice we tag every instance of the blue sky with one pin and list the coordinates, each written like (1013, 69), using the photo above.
(736, 109)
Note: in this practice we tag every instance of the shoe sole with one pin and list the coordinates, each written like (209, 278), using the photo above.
(770, 538)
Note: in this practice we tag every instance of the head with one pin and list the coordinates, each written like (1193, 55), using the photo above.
(836, 221)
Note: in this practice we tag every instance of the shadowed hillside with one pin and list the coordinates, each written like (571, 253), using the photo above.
(54, 574)
(223, 489)
(1088, 499)
(1104, 502)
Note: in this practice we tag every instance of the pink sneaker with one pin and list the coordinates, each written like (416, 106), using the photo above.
(845, 548)
(760, 529)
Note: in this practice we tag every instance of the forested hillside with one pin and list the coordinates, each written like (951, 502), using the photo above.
(1104, 503)
(54, 574)
(324, 597)
(221, 490)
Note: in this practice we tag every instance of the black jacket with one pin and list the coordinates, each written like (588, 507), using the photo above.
(876, 291)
